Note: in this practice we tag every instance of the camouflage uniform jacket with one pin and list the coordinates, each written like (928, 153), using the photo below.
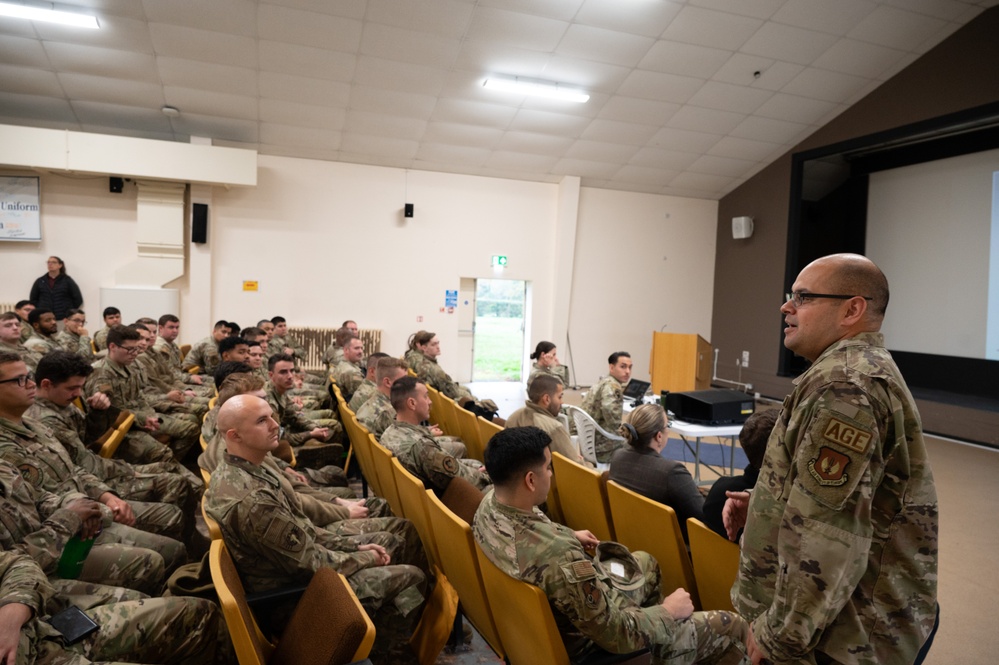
(533, 415)
(29, 357)
(272, 542)
(560, 372)
(23, 582)
(331, 356)
(278, 344)
(295, 427)
(413, 358)
(605, 403)
(26, 330)
(433, 375)
(204, 354)
(348, 377)
(423, 456)
(101, 338)
(171, 360)
(530, 547)
(78, 344)
(123, 386)
(363, 393)
(839, 555)
(41, 344)
(157, 384)
(377, 414)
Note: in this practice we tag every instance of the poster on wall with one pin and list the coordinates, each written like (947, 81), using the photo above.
(20, 212)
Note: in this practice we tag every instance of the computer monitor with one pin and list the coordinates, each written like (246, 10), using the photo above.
(635, 390)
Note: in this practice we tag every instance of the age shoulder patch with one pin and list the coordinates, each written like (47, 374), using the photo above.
(849, 436)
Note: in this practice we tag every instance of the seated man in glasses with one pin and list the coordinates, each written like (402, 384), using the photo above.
(74, 337)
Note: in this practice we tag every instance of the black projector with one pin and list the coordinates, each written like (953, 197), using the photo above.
(711, 407)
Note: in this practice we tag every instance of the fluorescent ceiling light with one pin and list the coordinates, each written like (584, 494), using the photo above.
(48, 15)
(535, 88)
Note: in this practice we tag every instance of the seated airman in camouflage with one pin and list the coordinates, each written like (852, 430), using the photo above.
(348, 373)
(10, 339)
(283, 342)
(112, 318)
(334, 353)
(367, 387)
(274, 545)
(74, 336)
(23, 308)
(116, 377)
(605, 402)
(428, 349)
(314, 442)
(164, 395)
(604, 598)
(416, 447)
(541, 410)
(166, 346)
(204, 354)
(43, 330)
(132, 628)
(256, 358)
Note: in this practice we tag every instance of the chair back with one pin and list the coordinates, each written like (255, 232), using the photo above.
(214, 530)
(469, 429)
(462, 498)
(413, 495)
(251, 647)
(361, 445)
(586, 431)
(184, 348)
(461, 565)
(449, 415)
(582, 497)
(649, 526)
(486, 431)
(436, 406)
(110, 446)
(716, 565)
(382, 457)
(526, 625)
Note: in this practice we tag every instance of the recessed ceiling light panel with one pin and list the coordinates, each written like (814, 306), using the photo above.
(34, 13)
(535, 88)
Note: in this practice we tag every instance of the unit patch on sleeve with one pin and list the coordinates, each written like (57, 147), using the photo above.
(847, 435)
(829, 468)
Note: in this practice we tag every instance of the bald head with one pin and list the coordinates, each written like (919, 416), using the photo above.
(858, 275)
(247, 424)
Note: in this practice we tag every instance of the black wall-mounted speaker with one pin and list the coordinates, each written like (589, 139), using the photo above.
(199, 223)
(408, 211)
(115, 185)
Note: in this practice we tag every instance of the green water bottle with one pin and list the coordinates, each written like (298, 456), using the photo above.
(73, 556)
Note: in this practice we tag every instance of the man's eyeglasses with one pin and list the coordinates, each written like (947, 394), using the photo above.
(21, 380)
(130, 349)
(798, 298)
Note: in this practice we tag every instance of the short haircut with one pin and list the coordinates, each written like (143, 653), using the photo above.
(387, 366)
(251, 343)
(375, 357)
(36, 314)
(6, 357)
(344, 324)
(7, 316)
(251, 332)
(278, 358)
(228, 367)
(261, 322)
(856, 275)
(111, 311)
(233, 328)
(402, 390)
(61, 366)
(120, 333)
(21, 303)
(168, 318)
(755, 433)
(514, 451)
(238, 383)
(343, 336)
(220, 324)
(230, 343)
(279, 319)
(146, 321)
(614, 357)
(74, 312)
(543, 384)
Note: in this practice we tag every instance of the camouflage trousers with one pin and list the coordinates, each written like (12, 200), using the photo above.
(452, 445)
(139, 447)
(175, 491)
(605, 448)
(162, 519)
(184, 431)
(125, 556)
(397, 535)
(392, 596)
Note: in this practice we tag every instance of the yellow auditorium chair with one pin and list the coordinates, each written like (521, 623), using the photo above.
(470, 434)
(382, 457)
(716, 564)
(582, 497)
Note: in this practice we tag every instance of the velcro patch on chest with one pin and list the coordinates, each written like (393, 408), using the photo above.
(849, 436)
(578, 571)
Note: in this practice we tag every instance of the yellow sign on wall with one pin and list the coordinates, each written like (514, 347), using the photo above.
(249, 285)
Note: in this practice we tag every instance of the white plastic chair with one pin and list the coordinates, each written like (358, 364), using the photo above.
(586, 431)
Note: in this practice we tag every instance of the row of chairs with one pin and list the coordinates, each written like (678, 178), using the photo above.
(456, 420)
(587, 499)
(114, 436)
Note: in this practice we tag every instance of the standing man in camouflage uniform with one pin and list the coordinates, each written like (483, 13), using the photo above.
(274, 545)
(205, 353)
(416, 447)
(43, 329)
(348, 373)
(594, 610)
(605, 402)
(839, 553)
(10, 339)
(74, 337)
(112, 317)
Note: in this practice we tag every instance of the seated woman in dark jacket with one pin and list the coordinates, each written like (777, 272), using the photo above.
(641, 467)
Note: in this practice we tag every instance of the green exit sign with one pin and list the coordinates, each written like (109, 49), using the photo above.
(499, 261)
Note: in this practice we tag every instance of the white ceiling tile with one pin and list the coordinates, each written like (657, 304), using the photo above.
(304, 90)
(762, 9)
(126, 8)
(836, 18)
(441, 17)
(701, 182)
(518, 161)
(660, 87)
(276, 134)
(585, 74)
(726, 166)
(17, 28)
(379, 146)
(30, 81)
(306, 61)
(204, 102)
(400, 76)
(558, 9)
(585, 168)
(706, 27)
(787, 43)
(521, 30)
(848, 56)
(639, 18)
(457, 134)
(391, 102)
(599, 151)
(949, 10)
(682, 140)
(643, 111)
(202, 45)
(214, 127)
(124, 117)
(280, 112)
(895, 28)
(746, 149)
(822, 84)
(231, 16)
(103, 62)
(391, 43)
(379, 124)
(662, 159)
(49, 109)
(803, 110)
(613, 131)
(631, 173)
(741, 69)
(16, 50)
(484, 58)
(118, 33)
(728, 97)
(449, 154)
(709, 121)
(616, 48)
(543, 122)
(114, 91)
(345, 8)
(768, 129)
(528, 142)
(467, 112)
(684, 59)
(281, 24)
(206, 76)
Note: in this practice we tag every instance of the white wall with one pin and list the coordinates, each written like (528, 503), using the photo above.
(643, 261)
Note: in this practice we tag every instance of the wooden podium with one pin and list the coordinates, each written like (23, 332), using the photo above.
(679, 363)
